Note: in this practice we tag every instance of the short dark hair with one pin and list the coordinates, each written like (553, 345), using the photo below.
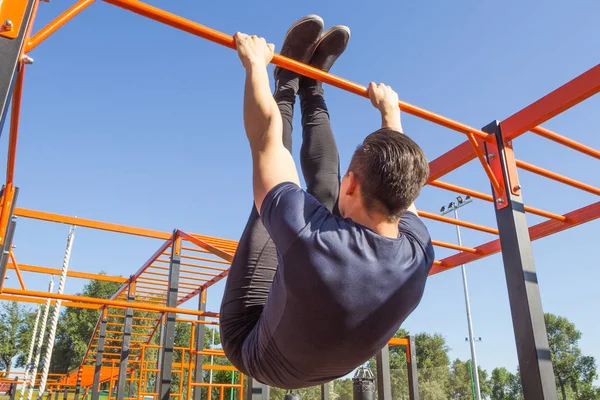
(391, 169)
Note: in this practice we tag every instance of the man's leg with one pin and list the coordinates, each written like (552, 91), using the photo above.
(319, 156)
(253, 268)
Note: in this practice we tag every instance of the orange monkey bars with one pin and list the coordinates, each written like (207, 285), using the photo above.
(149, 288)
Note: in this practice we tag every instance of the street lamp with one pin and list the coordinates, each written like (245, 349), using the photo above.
(453, 206)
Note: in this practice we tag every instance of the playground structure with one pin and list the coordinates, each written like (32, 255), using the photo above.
(195, 262)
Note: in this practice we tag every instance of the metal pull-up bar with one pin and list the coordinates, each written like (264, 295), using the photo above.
(223, 39)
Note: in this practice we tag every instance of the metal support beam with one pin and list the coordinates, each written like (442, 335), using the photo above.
(66, 393)
(411, 364)
(7, 244)
(256, 390)
(384, 380)
(78, 387)
(56, 393)
(325, 390)
(10, 52)
(169, 333)
(199, 346)
(161, 335)
(533, 351)
(13, 389)
(99, 356)
(124, 361)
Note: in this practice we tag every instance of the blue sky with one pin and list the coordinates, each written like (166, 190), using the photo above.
(128, 121)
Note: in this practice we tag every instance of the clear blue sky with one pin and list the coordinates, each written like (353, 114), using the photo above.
(125, 120)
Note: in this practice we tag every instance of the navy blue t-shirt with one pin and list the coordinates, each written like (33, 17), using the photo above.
(340, 292)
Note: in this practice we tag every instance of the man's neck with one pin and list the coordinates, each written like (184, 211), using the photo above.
(381, 225)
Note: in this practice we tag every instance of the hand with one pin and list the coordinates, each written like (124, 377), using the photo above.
(253, 50)
(383, 98)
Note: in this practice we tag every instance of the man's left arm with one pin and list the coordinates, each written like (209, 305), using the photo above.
(272, 163)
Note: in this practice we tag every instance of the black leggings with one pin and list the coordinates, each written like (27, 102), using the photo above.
(253, 267)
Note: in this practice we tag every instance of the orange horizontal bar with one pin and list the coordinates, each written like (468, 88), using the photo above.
(559, 178)
(107, 226)
(42, 301)
(204, 259)
(59, 21)
(162, 260)
(71, 273)
(196, 29)
(106, 302)
(453, 246)
(487, 197)
(453, 221)
(554, 103)
(543, 229)
(398, 342)
(548, 134)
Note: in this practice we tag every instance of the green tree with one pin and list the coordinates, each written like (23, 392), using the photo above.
(433, 364)
(15, 333)
(343, 389)
(460, 384)
(573, 370)
(76, 326)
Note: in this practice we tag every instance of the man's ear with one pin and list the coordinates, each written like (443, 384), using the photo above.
(352, 186)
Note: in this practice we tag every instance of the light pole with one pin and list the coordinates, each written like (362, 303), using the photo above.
(453, 207)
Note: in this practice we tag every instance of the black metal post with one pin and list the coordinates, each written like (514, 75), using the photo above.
(533, 351)
(325, 390)
(66, 393)
(256, 390)
(384, 380)
(13, 389)
(78, 387)
(169, 336)
(56, 392)
(8, 240)
(99, 356)
(199, 346)
(411, 365)
(161, 335)
(10, 51)
(124, 361)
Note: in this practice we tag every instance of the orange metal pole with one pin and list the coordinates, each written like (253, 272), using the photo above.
(212, 35)
(59, 21)
(487, 197)
(111, 303)
(201, 258)
(8, 196)
(14, 125)
(559, 178)
(548, 134)
(70, 273)
(225, 244)
(435, 217)
(453, 246)
(486, 167)
(17, 271)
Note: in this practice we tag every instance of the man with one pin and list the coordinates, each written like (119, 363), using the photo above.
(322, 278)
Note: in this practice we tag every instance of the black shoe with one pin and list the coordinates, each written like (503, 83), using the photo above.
(301, 40)
(331, 46)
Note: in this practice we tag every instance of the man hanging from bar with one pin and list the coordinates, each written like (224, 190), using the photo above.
(322, 278)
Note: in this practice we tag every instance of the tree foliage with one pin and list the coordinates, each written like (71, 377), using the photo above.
(575, 373)
(15, 332)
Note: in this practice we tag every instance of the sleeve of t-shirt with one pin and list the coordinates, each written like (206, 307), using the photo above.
(286, 211)
(411, 225)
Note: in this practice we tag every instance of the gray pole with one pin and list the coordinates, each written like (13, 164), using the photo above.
(469, 321)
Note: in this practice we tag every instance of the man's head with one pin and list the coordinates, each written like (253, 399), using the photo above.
(386, 174)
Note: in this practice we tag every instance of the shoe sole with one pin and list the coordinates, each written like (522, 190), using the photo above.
(333, 29)
(300, 22)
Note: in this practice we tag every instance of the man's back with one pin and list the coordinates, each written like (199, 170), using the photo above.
(341, 290)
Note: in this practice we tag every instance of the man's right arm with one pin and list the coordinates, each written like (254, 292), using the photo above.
(385, 100)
